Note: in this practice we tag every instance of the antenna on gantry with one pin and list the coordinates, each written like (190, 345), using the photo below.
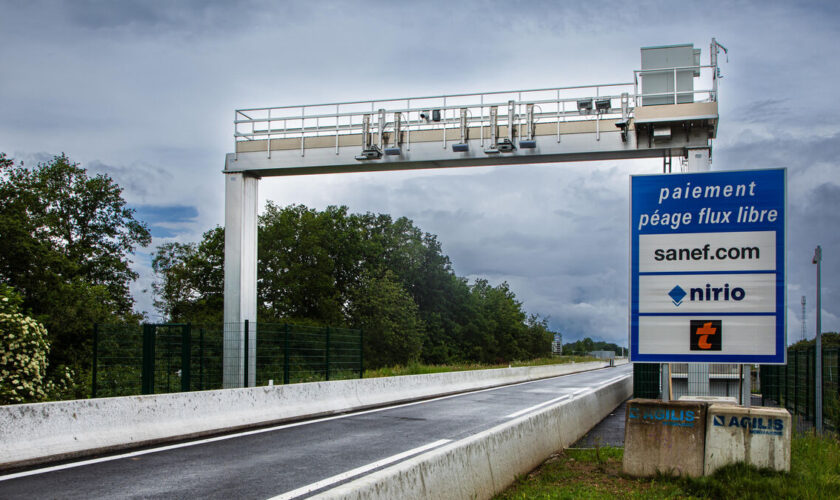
(803, 317)
(715, 50)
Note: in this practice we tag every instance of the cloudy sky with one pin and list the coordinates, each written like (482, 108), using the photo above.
(146, 91)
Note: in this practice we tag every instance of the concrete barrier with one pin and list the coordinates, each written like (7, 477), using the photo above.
(43, 432)
(757, 436)
(664, 437)
(487, 463)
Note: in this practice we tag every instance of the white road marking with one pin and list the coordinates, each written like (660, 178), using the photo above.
(611, 380)
(535, 407)
(357, 471)
(567, 396)
(199, 442)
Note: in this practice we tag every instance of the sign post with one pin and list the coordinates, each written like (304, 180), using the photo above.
(707, 280)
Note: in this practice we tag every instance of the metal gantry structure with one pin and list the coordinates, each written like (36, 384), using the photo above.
(669, 109)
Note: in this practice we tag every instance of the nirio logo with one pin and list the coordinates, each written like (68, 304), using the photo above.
(708, 293)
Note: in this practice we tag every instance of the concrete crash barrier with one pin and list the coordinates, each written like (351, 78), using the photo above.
(696, 438)
(664, 437)
(486, 463)
(757, 436)
(43, 432)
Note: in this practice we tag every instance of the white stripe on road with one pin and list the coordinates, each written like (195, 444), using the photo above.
(309, 488)
(535, 407)
(611, 380)
(567, 396)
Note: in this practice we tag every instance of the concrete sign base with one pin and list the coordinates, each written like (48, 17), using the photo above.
(664, 437)
(757, 436)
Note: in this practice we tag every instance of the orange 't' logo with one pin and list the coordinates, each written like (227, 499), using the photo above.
(706, 335)
(704, 332)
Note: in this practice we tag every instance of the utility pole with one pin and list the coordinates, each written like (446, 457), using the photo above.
(818, 362)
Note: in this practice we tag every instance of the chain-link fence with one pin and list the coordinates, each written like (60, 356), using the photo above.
(160, 358)
(791, 386)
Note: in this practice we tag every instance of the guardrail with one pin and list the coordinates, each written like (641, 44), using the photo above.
(485, 464)
(43, 432)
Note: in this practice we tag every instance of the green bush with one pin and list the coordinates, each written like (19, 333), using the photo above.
(23, 356)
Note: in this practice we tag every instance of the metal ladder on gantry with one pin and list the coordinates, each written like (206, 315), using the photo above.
(668, 110)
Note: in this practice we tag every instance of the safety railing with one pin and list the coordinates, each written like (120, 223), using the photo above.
(479, 115)
(705, 77)
(413, 114)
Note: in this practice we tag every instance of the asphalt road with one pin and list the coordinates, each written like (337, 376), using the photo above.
(299, 459)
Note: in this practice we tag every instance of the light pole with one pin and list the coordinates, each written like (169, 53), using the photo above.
(818, 361)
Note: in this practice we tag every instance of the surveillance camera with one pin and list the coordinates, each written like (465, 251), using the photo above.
(432, 115)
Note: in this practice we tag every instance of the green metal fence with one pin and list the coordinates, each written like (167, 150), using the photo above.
(160, 358)
(646, 380)
(792, 386)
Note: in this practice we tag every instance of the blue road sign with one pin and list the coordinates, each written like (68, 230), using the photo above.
(707, 268)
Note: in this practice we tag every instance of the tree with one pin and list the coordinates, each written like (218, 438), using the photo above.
(539, 337)
(587, 345)
(191, 279)
(388, 316)
(827, 339)
(307, 261)
(367, 270)
(65, 245)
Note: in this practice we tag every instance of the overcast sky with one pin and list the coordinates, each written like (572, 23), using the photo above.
(146, 92)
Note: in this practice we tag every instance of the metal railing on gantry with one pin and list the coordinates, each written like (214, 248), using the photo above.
(495, 116)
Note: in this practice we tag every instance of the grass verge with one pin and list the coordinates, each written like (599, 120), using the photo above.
(596, 473)
(421, 369)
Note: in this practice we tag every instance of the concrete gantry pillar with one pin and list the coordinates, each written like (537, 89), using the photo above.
(699, 160)
(240, 278)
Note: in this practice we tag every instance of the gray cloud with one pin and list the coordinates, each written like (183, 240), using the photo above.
(145, 91)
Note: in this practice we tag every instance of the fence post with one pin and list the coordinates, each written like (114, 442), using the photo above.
(327, 355)
(807, 383)
(186, 332)
(285, 353)
(95, 353)
(167, 341)
(361, 354)
(796, 383)
(201, 359)
(787, 394)
(147, 375)
(245, 360)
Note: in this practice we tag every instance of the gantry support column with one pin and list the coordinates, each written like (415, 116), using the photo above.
(699, 160)
(240, 279)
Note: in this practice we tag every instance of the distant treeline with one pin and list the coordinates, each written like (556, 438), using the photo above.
(581, 347)
(366, 271)
(829, 340)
